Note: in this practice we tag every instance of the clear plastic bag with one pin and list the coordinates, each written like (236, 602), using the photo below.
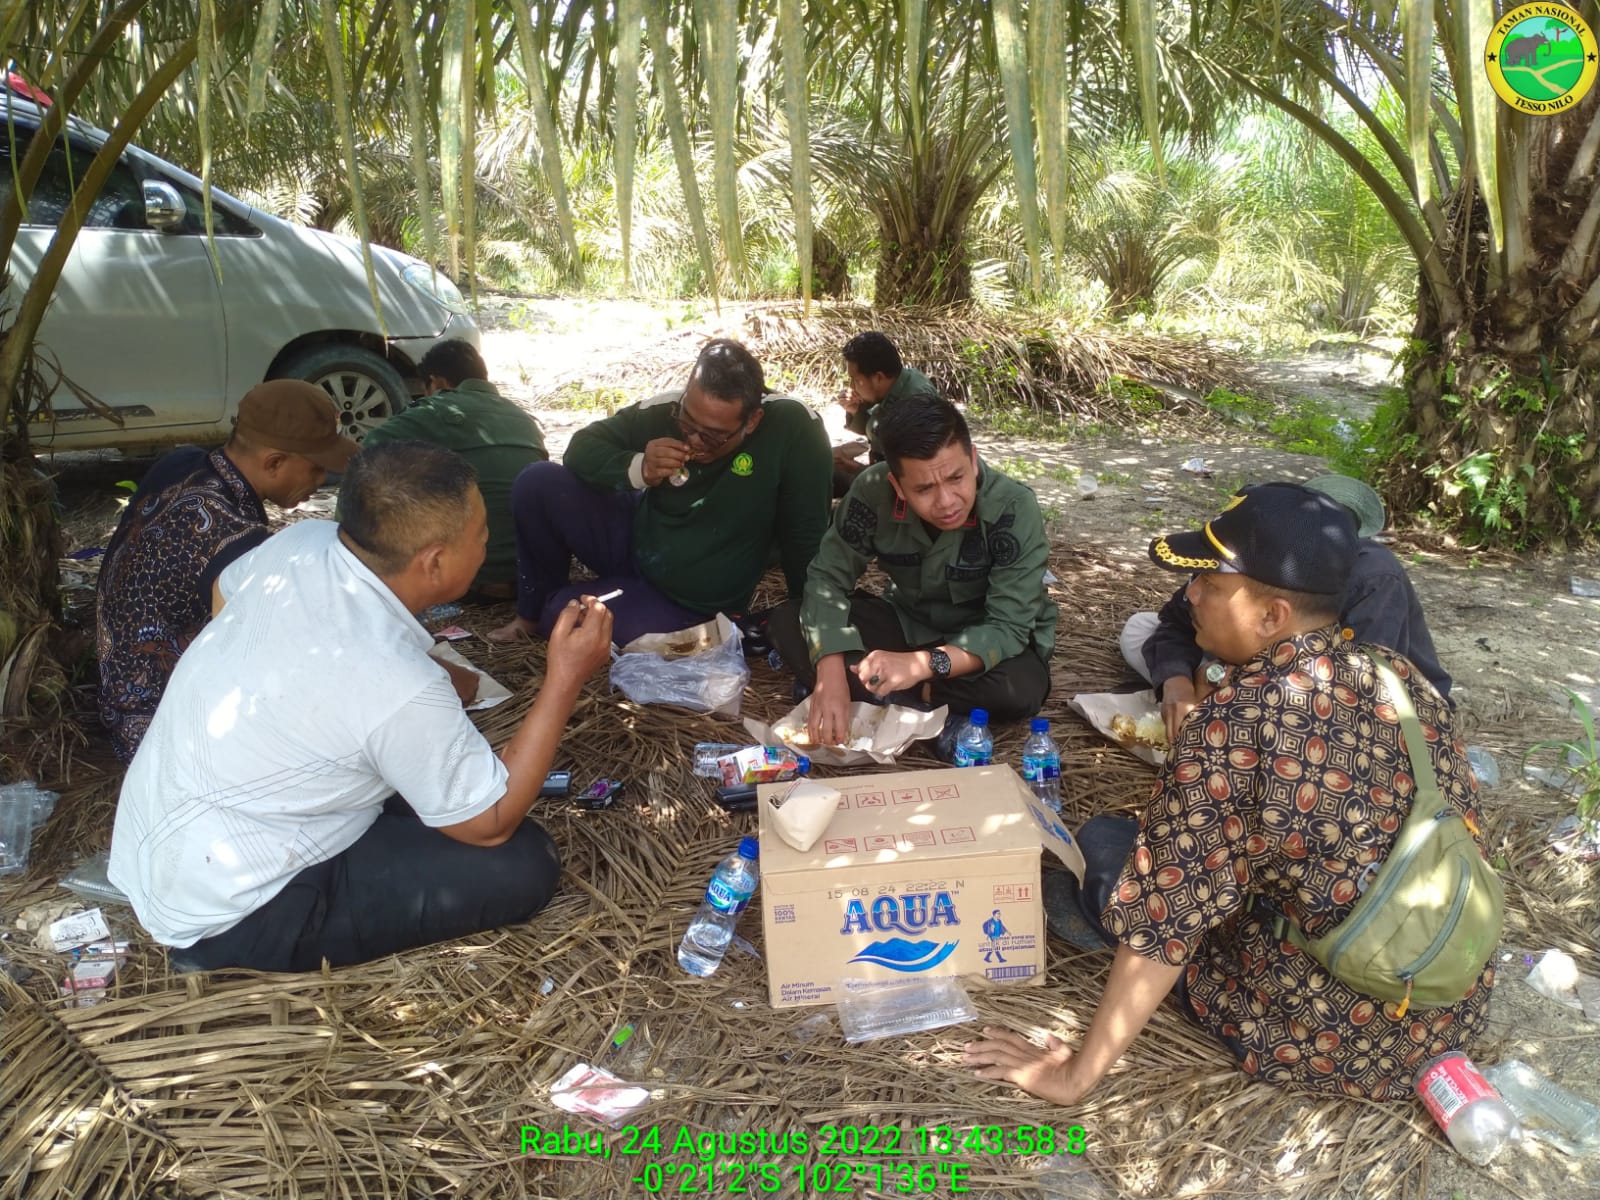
(712, 680)
(23, 808)
(870, 1010)
(89, 880)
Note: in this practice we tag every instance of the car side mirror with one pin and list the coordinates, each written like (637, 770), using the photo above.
(163, 207)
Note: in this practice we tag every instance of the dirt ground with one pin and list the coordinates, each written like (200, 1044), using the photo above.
(1509, 628)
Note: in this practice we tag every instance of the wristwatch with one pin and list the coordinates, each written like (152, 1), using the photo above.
(1216, 673)
(939, 662)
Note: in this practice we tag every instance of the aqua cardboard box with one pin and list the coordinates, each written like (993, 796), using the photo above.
(918, 872)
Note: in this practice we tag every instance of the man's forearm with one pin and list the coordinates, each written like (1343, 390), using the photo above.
(1133, 993)
(531, 751)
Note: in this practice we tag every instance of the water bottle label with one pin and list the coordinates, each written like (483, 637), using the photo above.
(1052, 767)
(725, 899)
(966, 757)
(1449, 1085)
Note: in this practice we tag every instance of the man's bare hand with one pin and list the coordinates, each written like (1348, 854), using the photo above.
(884, 671)
(580, 643)
(1178, 700)
(663, 458)
(848, 456)
(828, 719)
(463, 679)
(1008, 1056)
(849, 401)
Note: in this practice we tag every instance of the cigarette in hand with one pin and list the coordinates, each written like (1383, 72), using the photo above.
(609, 596)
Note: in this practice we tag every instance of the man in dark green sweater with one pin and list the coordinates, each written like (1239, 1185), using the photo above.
(878, 377)
(679, 501)
(965, 620)
(463, 412)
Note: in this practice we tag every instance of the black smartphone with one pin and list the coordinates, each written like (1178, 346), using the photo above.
(737, 797)
(602, 793)
(557, 783)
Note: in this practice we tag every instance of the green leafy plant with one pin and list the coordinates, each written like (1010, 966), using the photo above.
(1580, 758)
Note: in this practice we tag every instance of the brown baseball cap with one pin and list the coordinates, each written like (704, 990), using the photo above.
(296, 416)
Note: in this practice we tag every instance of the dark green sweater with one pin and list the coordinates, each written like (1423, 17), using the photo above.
(705, 544)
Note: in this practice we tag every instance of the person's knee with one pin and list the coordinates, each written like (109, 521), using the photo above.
(524, 873)
(538, 480)
(1135, 633)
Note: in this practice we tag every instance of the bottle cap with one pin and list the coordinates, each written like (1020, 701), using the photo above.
(979, 716)
(1039, 725)
(803, 764)
(749, 848)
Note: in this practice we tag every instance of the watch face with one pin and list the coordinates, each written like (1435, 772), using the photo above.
(1216, 673)
(940, 662)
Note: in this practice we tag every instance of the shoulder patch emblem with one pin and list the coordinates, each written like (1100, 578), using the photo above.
(859, 525)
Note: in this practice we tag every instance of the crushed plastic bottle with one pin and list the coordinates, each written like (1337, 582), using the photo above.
(1465, 1105)
(762, 764)
(1546, 1110)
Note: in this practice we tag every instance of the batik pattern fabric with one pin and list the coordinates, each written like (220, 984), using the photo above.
(154, 590)
(1289, 785)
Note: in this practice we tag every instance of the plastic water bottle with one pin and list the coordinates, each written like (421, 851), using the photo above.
(1465, 1105)
(732, 884)
(1041, 764)
(975, 748)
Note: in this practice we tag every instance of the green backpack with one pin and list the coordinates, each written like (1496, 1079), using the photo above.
(1431, 916)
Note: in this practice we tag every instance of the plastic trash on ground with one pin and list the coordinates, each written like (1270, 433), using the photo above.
(869, 1010)
(1068, 1177)
(1484, 766)
(595, 1092)
(706, 755)
(1547, 1111)
(16, 831)
(89, 880)
(701, 668)
(1088, 485)
(1196, 466)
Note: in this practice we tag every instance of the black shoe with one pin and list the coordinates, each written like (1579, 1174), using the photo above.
(1064, 915)
(753, 631)
(944, 746)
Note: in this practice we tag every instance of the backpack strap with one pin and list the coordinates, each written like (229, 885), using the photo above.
(1428, 798)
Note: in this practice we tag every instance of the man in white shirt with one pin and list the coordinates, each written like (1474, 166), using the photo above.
(310, 787)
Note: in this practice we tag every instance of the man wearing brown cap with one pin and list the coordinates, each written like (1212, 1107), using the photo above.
(1284, 796)
(194, 513)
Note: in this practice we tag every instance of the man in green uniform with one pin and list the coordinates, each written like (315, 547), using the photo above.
(878, 378)
(678, 501)
(965, 620)
(463, 412)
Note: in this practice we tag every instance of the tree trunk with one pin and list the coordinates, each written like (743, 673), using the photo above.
(922, 223)
(1500, 438)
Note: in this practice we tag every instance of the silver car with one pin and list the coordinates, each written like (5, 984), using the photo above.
(145, 322)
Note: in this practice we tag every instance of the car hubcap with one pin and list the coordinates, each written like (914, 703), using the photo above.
(359, 399)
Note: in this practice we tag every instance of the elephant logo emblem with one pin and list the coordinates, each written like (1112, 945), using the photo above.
(1541, 58)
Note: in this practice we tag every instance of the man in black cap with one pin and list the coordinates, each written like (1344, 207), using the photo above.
(194, 513)
(1379, 605)
(1287, 785)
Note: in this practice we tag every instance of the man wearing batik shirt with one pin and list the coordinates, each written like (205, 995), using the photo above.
(1285, 790)
(194, 513)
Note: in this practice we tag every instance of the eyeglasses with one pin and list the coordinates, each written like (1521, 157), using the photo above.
(711, 439)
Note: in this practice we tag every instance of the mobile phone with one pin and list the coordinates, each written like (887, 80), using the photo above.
(737, 797)
(557, 783)
(602, 793)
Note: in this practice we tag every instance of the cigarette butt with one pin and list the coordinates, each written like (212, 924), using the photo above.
(609, 596)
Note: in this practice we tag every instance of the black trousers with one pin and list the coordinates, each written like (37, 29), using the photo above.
(1014, 689)
(401, 885)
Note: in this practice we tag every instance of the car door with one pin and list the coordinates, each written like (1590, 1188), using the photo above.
(136, 320)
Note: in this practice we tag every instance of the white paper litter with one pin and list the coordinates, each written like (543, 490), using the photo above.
(878, 733)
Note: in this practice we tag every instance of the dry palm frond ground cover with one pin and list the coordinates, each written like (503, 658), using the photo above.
(413, 1076)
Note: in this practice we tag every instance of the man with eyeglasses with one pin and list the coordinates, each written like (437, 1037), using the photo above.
(679, 501)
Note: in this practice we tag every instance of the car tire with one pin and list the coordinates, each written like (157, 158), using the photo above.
(365, 389)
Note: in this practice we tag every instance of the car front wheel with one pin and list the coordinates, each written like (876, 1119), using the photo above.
(365, 389)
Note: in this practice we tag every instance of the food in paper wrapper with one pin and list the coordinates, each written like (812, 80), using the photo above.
(1149, 730)
(802, 812)
(879, 733)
